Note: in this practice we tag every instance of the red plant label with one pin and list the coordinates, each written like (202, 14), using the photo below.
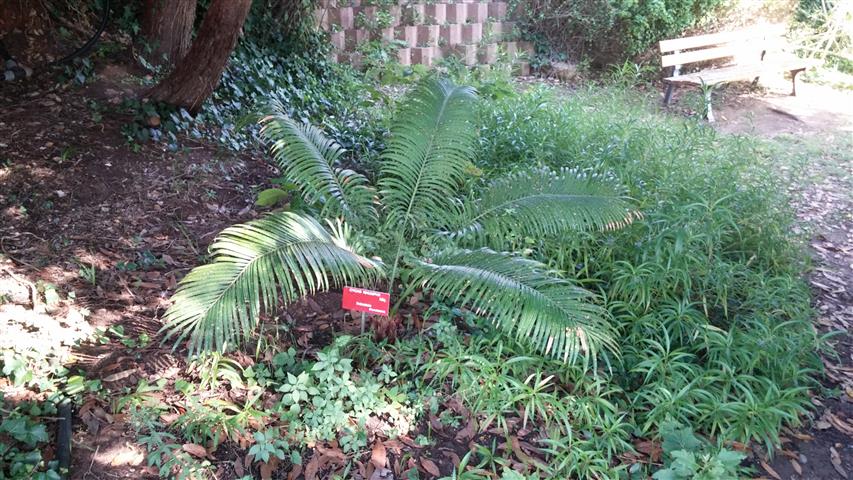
(368, 301)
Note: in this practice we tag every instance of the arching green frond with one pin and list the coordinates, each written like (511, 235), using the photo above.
(544, 202)
(307, 158)
(522, 298)
(283, 255)
(431, 141)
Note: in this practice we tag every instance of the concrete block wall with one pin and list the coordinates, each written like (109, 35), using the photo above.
(476, 32)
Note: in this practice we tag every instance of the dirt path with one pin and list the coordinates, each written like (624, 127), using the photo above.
(816, 110)
(817, 124)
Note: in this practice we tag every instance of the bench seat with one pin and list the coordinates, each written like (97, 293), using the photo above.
(742, 72)
(750, 53)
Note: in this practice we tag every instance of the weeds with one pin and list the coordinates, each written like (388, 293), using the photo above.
(88, 273)
(319, 402)
(20, 435)
(714, 320)
(689, 457)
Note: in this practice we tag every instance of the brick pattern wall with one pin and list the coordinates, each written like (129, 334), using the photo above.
(475, 32)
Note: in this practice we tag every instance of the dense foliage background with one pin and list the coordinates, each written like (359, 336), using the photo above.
(608, 31)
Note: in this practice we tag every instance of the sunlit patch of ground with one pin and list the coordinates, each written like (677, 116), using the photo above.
(771, 111)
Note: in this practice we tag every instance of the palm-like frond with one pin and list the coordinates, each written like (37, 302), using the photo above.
(544, 202)
(430, 144)
(308, 158)
(520, 297)
(283, 255)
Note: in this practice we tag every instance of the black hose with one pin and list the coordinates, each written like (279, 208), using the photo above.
(63, 438)
(87, 47)
(13, 71)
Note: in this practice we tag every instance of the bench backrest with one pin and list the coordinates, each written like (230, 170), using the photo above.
(749, 43)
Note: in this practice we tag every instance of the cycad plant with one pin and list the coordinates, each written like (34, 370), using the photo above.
(414, 232)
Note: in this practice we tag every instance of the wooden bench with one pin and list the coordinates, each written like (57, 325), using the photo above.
(745, 55)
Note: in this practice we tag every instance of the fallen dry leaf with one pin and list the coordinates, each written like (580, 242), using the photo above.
(451, 455)
(789, 454)
(313, 467)
(407, 440)
(102, 414)
(742, 447)
(266, 471)
(840, 424)
(836, 462)
(238, 468)
(456, 405)
(430, 467)
(769, 470)
(93, 425)
(297, 469)
(797, 467)
(394, 445)
(415, 298)
(378, 456)
(244, 440)
(652, 449)
(169, 418)
(334, 454)
(435, 423)
(524, 457)
(467, 433)
(194, 449)
(243, 359)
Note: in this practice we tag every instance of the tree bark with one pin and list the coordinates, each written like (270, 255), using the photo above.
(197, 75)
(168, 27)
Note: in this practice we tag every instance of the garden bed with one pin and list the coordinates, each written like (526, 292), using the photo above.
(118, 224)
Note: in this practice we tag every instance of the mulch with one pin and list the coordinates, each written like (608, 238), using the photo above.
(825, 209)
(75, 193)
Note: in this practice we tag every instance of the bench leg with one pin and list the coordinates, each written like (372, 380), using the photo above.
(709, 112)
(794, 82)
(667, 97)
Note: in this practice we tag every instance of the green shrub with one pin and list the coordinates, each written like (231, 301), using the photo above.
(608, 31)
(578, 414)
(416, 231)
(714, 318)
(309, 89)
(23, 434)
(317, 401)
(283, 59)
(688, 457)
(705, 293)
(711, 316)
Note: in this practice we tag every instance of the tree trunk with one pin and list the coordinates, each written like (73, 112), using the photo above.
(168, 27)
(197, 75)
